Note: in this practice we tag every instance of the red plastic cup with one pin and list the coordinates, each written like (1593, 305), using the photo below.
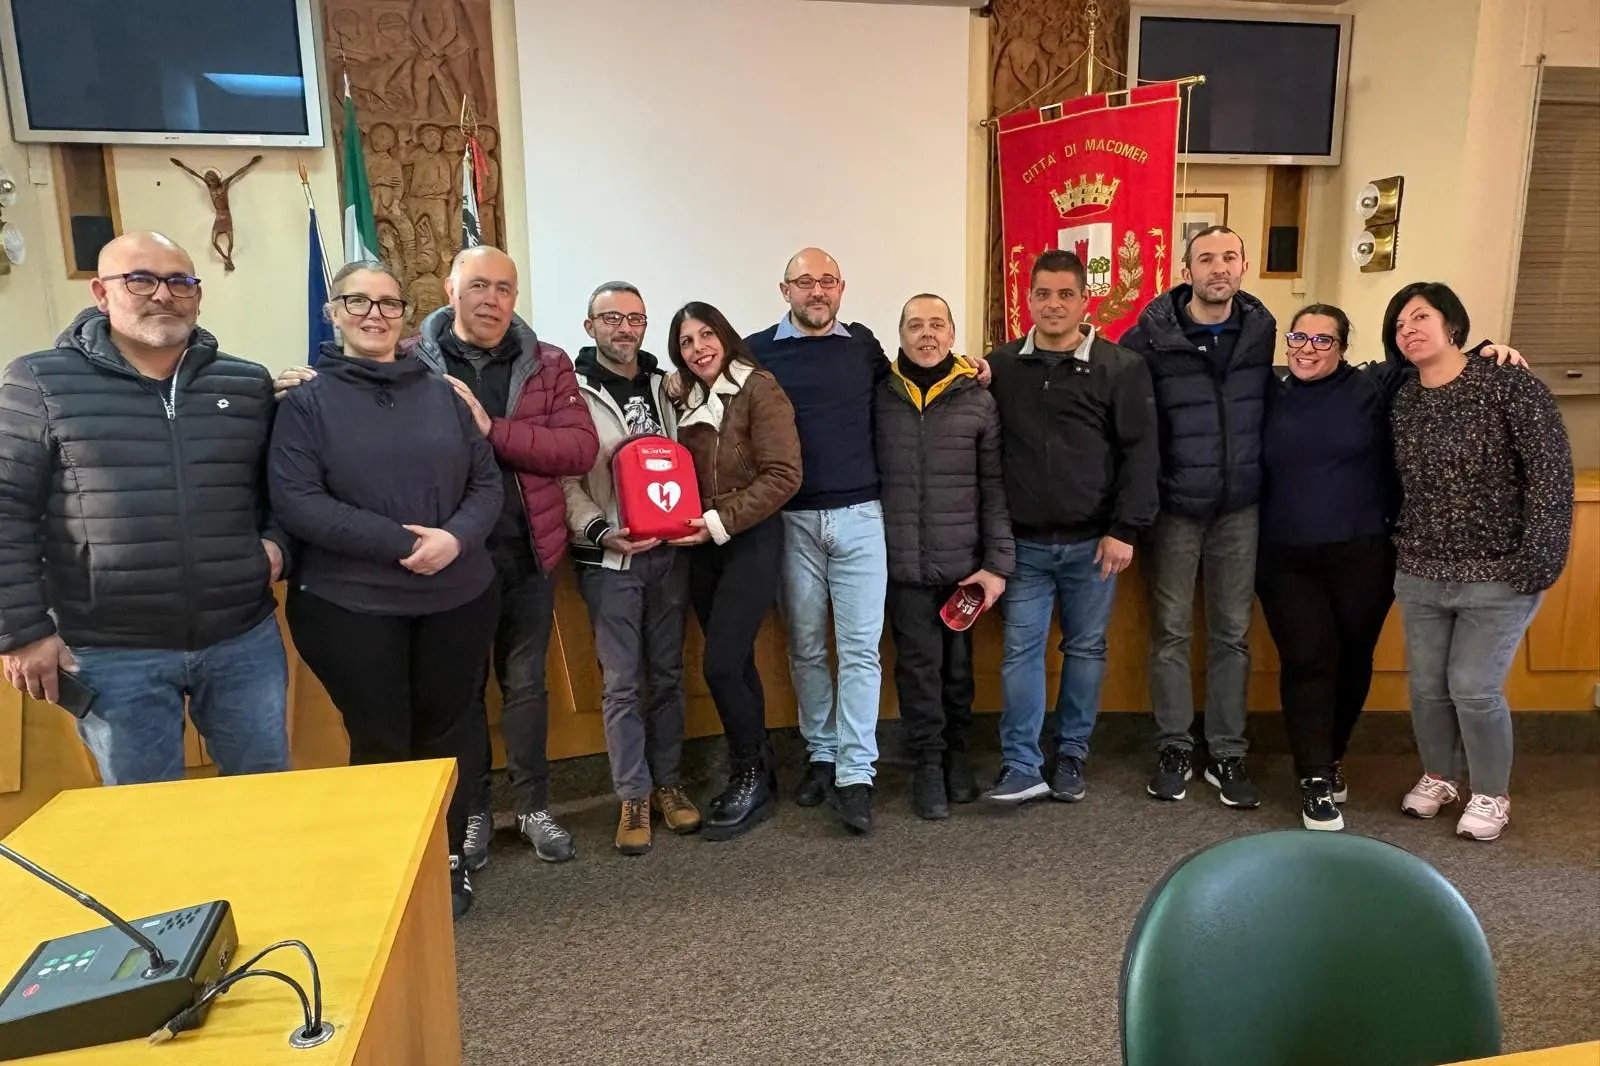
(963, 608)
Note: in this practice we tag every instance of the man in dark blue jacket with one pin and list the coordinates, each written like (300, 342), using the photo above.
(1209, 348)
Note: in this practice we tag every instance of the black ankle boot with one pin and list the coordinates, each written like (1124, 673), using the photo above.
(744, 804)
(928, 796)
(960, 784)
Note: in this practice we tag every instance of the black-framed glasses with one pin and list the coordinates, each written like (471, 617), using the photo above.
(144, 283)
(360, 305)
(1319, 341)
(614, 319)
(805, 282)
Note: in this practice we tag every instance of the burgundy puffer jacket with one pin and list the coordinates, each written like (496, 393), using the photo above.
(547, 433)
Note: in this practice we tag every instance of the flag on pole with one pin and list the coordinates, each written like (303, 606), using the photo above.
(471, 228)
(360, 229)
(319, 329)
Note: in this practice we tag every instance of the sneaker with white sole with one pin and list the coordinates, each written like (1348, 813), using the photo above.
(550, 842)
(1428, 795)
(1485, 817)
(1317, 807)
(1341, 789)
(1016, 787)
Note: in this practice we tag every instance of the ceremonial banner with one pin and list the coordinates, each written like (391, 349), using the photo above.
(1099, 181)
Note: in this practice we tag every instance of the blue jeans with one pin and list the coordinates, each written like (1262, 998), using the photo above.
(1046, 572)
(837, 556)
(238, 698)
(1461, 638)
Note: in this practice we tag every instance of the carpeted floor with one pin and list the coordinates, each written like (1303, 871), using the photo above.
(989, 940)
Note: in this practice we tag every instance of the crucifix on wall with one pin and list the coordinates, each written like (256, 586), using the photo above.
(222, 226)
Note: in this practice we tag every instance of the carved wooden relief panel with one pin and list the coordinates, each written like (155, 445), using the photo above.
(1036, 50)
(410, 62)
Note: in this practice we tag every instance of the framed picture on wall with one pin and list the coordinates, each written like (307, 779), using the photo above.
(1193, 213)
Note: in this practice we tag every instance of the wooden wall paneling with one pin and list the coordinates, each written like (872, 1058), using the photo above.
(1038, 45)
(10, 740)
(1565, 634)
(410, 62)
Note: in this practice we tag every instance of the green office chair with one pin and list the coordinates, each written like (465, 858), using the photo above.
(1306, 949)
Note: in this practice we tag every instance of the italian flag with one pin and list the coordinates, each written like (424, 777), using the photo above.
(360, 231)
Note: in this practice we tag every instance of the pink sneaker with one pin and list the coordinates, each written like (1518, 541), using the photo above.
(1428, 795)
(1485, 817)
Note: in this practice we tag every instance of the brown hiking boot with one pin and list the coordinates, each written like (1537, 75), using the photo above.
(633, 828)
(680, 814)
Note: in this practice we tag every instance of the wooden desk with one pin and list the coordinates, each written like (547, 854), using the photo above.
(1571, 1055)
(307, 855)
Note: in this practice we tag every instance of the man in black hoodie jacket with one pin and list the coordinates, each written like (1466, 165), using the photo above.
(137, 550)
(1209, 348)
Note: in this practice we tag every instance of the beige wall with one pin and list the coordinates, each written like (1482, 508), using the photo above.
(259, 311)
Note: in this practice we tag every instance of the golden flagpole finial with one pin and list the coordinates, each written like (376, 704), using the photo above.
(1091, 12)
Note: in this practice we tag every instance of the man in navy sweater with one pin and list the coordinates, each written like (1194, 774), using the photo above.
(834, 526)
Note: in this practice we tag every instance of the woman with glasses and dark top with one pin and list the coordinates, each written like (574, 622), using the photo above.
(738, 424)
(1484, 528)
(378, 469)
(1325, 564)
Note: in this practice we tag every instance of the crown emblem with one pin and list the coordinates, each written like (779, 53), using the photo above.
(1085, 197)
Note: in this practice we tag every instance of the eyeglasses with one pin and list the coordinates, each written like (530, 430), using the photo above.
(805, 282)
(1319, 341)
(617, 318)
(144, 283)
(360, 305)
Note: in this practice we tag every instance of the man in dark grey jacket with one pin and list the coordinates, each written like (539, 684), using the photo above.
(1081, 463)
(137, 553)
(945, 523)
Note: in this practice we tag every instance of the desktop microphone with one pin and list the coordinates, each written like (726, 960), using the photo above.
(118, 982)
(159, 964)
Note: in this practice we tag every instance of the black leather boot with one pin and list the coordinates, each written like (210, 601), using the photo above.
(960, 784)
(744, 804)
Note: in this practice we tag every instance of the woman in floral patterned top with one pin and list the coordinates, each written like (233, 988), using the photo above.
(1484, 527)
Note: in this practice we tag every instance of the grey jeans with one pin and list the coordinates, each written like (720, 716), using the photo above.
(638, 616)
(1223, 553)
(1460, 639)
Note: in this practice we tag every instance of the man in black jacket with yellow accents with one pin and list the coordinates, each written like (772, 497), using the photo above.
(1079, 429)
(137, 552)
(945, 522)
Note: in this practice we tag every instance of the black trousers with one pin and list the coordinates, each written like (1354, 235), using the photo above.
(521, 649)
(733, 587)
(1325, 605)
(932, 670)
(403, 685)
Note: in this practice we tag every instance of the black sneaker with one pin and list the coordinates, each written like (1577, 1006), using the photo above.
(1066, 780)
(1173, 771)
(854, 806)
(1227, 776)
(1341, 791)
(1016, 787)
(959, 783)
(1317, 808)
(816, 786)
(475, 849)
(928, 796)
(550, 841)
(460, 888)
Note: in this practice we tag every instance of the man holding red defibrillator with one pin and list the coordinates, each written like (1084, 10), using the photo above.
(640, 493)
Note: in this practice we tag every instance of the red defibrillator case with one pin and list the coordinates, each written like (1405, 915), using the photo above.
(657, 492)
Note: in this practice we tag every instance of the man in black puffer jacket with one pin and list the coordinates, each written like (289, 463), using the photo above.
(945, 524)
(1209, 348)
(136, 548)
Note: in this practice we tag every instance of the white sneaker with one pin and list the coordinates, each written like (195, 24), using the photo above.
(1484, 818)
(1428, 795)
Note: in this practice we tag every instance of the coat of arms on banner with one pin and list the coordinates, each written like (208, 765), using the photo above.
(1098, 181)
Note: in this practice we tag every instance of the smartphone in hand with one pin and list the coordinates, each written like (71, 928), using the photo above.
(73, 694)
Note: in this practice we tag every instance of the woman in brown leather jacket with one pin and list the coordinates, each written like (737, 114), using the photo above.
(737, 423)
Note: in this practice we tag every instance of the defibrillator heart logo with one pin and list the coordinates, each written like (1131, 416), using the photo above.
(664, 494)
